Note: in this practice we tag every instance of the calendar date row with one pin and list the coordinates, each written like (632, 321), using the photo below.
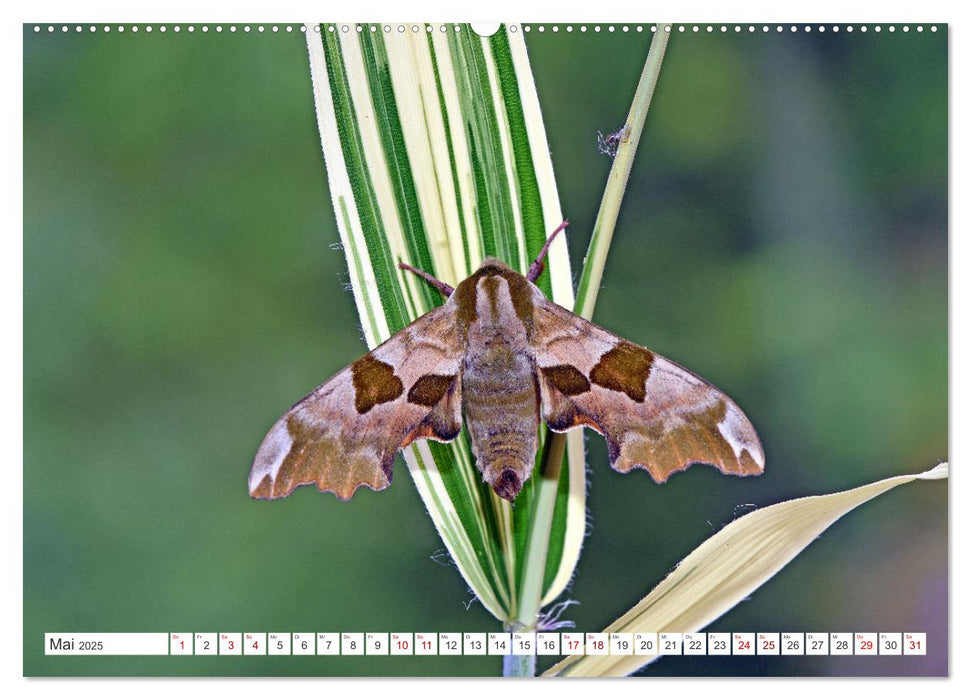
(488, 644)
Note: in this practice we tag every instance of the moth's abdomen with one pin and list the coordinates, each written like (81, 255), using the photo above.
(501, 403)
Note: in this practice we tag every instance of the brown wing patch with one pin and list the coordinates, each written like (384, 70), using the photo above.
(625, 367)
(567, 379)
(444, 421)
(429, 389)
(374, 383)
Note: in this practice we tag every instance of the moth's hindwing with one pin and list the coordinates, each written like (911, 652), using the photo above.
(654, 414)
(346, 432)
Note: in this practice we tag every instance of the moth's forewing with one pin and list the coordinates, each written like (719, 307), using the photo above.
(345, 433)
(655, 414)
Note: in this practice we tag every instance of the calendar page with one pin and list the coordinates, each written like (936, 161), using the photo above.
(515, 260)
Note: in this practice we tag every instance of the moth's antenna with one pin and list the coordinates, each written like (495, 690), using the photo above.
(445, 289)
(536, 269)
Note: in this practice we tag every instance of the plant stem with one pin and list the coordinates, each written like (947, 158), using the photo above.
(603, 229)
(531, 593)
(519, 666)
(534, 570)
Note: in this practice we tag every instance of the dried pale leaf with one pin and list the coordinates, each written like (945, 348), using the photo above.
(728, 567)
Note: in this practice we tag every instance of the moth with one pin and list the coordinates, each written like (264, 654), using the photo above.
(504, 357)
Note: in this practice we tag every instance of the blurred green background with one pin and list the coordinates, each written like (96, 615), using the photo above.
(784, 235)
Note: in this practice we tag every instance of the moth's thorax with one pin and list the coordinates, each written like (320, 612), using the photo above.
(495, 295)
